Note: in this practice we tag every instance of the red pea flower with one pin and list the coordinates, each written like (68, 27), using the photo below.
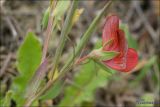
(127, 58)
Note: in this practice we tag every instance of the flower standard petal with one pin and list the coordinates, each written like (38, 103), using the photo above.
(110, 32)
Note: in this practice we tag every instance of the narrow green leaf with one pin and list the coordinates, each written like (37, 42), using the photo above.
(64, 33)
(28, 60)
(91, 29)
(86, 37)
(104, 67)
(61, 8)
(59, 12)
(77, 15)
(53, 92)
(45, 19)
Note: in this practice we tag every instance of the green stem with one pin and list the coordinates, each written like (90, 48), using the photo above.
(65, 30)
(86, 36)
(80, 46)
(48, 31)
(103, 66)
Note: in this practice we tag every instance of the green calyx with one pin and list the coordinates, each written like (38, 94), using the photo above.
(101, 55)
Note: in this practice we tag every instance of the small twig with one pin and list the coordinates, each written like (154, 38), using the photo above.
(81, 60)
(17, 27)
(38, 22)
(12, 23)
(9, 21)
(143, 18)
(13, 30)
(129, 13)
(5, 65)
(11, 72)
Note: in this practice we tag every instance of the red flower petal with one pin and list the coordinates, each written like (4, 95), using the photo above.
(128, 58)
(110, 32)
(120, 60)
(131, 61)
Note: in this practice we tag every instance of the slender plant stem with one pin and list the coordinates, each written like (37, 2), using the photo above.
(79, 47)
(48, 31)
(81, 59)
(65, 30)
(86, 36)
(46, 42)
(83, 42)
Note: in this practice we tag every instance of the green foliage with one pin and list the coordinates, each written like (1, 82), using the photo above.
(36, 80)
(85, 37)
(108, 55)
(6, 102)
(3, 88)
(131, 41)
(85, 84)
(28, 60)
(101, 55)
(104, 67)
(98, 44)
(57, 14)
(145, 69)
(53, 92)
(45, 19)
(29, 55)
(61, 8)
(155, 76)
